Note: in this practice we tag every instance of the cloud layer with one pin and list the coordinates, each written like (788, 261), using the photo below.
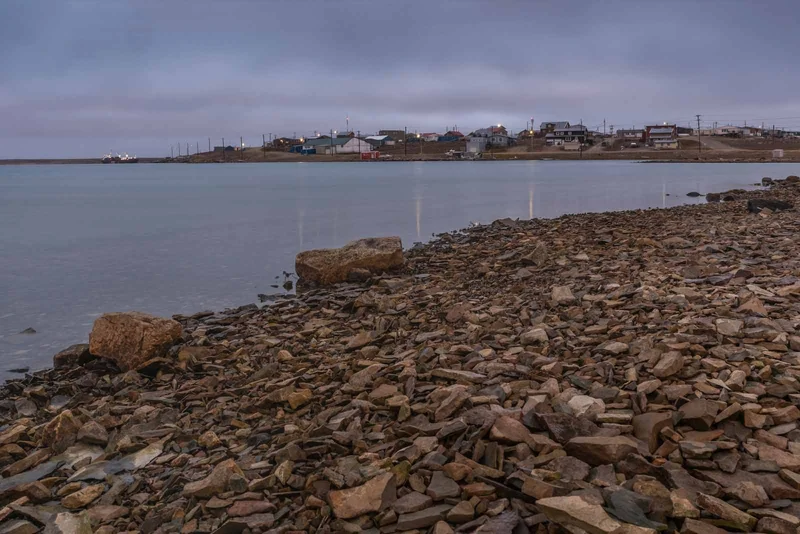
(79, 78)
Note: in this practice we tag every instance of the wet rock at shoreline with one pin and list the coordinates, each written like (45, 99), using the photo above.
(756, 205)
(329, 266)
(131, 339)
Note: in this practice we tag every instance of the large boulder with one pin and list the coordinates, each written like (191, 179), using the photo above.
(132, 338)
(329, 266)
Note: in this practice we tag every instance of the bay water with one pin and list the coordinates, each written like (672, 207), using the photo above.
(80, 240)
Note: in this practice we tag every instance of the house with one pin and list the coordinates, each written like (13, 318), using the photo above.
(631, 135)
(399, 136)
(430, 137)
(454, 133)
(477, 145)
(337, 145)
(567, 134)
(228, 148)
(550, 127)
(379, 140)
(496, 136)
(662, 136)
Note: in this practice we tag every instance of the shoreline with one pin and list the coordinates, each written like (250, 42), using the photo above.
(741, 156)
(453, 375)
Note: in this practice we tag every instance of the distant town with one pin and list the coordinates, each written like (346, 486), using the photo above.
(550, 140)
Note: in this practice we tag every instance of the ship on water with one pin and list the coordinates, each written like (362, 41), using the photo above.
(108, 158)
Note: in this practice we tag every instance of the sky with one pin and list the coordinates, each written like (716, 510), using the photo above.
(80, 78)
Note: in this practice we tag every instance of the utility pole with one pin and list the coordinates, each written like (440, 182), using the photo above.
(405, 141)
(263, 145)
(604, 127)
(223, 149)
(179, 150)
(197, 147)
(699, 146)
(419, 139)
(209, 144)
(171, 152)
(359, 141)
(331, 142)
(187, 149)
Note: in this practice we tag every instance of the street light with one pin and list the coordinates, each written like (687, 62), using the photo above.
(419, 142)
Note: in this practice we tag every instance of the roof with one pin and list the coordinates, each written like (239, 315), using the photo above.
(377, 138)
(558, 125)
(455, 133)
(635, 130)
(661, 131)
(339, 141)
(429, 133)
(572, 128)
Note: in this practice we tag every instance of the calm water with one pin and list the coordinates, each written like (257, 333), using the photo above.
(76, 241)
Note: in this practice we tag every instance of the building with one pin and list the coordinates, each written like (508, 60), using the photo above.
(550, 127)
(662, 136)
(430, 137)
(660, 132)
(399, 136)
(567, 134)
(477, 145)
(631, 135)
(379, 140)
(338, 145)
(496, 136)
(454, 133)
(228, 148)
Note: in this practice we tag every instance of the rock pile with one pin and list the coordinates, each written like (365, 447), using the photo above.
(608, 373)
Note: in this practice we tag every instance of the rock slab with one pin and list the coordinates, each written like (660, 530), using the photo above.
(330, 266)
(132, 338)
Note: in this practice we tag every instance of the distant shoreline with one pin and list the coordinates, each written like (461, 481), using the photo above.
(675, 157)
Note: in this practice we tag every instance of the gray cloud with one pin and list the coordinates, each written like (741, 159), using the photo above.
(80, 77)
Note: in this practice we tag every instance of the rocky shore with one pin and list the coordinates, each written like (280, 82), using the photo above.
(618, 373)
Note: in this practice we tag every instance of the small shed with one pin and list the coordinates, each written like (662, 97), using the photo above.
(777, 153)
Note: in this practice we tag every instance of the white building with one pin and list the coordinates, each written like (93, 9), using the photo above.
(339, 145)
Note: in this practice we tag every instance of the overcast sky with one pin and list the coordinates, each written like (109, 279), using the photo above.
(79, 78)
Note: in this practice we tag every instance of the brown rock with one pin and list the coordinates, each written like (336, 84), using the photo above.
(61, 432)
(81, 498)
(93, 433)
(215, 483)
(72, 356)
(731, 516)
(699, 413)
(245, 508)
(598, 450)
(411, 502)
(647, 427)
(692, 526)
(575, 512)
(132, 338)
(374, 496)
(103, 513)
(329, 266)
(669, 364)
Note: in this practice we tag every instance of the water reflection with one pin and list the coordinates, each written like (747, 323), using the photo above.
(300, 221)
(530, 200)
(419, 215)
